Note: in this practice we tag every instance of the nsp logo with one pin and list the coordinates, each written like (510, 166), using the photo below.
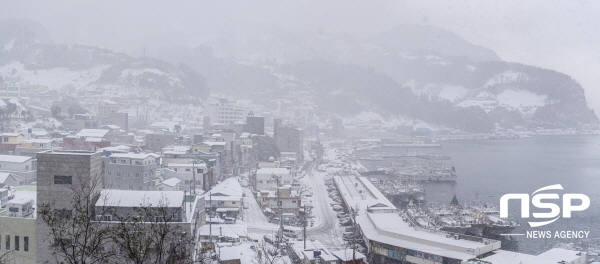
(536, 200)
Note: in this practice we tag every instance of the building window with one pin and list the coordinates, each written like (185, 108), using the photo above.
(118, 174)
(25, 243)
(123, 161)
(128, 175)
(5, 139)
(17, 243)
(145, 174)
(7, 247)
(109, 173)
(293, 201)
(63, 213)
(187, 169)
(137, 174)
(199, 170)
(63, 180)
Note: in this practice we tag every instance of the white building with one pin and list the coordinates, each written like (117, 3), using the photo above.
(20, 165)
(223, 111)
(185, 172)
(266, 178)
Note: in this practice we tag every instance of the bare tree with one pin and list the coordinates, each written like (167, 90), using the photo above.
(151, 234)
(74, 237)
(145, 234)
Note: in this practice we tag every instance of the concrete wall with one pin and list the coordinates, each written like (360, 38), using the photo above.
(123, 176)
(24, 228)
(85, 170)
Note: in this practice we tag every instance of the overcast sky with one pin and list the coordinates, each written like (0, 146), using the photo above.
(560, 35)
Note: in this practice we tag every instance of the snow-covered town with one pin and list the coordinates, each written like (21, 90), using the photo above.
(248, 187)
(299, 132)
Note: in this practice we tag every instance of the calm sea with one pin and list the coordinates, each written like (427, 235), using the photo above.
(488, 169)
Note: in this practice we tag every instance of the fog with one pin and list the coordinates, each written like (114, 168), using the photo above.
(362, 116)
(560, 35)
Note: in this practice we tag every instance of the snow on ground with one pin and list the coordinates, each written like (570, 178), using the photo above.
(452, 93)
(485, 103)
(9, 46)
(521, 98)
(137, 72)
(505, 77)
(53, 78)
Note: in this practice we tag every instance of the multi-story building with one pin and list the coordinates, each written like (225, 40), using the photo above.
(157, 141)
(337, 127)
(87, 140)
(23, 166)
(224, 112)
(255, 124)
(18, 229)
(186, 172)
(225, 199)
(288, 138)
(9, 142)
(188, 211)
(284, 198)
(9, 90)
(80, 121)
(31, 147)
(60, 175)
(118, 119)
(266, 178)
(107, 107)
(129, 171)
(11, 138)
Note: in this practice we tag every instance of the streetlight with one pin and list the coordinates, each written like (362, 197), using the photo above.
(279, 203)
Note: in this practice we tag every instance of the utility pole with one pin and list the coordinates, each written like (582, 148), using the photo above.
(210, 221)
(280, 204)
(304, 226)
(194, 176)
(354, 213)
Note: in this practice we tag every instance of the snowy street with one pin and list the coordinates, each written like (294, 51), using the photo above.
(325, 229)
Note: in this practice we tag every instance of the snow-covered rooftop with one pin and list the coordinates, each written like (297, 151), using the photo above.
(134, 155)
(12, 158)
(129, 198)
(171, 182)
(4, 176)
(229, 187)
(273, 171)
(97, 133)
(187, 165)
(39, 140)
(215, 143)
(10, 134)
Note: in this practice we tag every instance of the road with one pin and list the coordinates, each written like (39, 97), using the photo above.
(326, 228)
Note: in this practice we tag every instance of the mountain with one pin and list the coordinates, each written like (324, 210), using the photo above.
(26, 58)
(413, 71)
